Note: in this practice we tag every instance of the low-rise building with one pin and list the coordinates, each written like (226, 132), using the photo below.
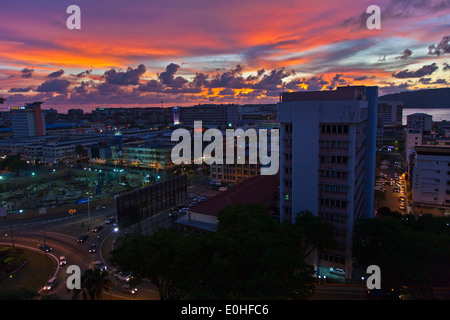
(202, 218)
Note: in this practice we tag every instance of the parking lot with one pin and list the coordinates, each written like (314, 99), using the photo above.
(391, 184)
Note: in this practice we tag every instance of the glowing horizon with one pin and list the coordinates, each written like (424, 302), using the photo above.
(189, 52)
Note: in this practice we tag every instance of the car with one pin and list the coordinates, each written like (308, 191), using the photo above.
(62, 261)
(223, 189)
(337, 271)
(97, 228)
(45, 248)
(82, 238)
(402, 207)
(51, 283)
(396, 190)
(92, 248)
(99, 207)
(122, 276)
(401, 198)
(110, 220)
(128, 289)
(100, 265)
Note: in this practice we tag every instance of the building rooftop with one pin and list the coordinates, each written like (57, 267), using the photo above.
(341, 93)
(432, 150)
(257, 189)
(419, 114)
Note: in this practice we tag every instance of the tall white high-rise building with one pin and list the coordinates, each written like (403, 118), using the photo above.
(327, 162)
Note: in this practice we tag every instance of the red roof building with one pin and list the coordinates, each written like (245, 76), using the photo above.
(203, 217)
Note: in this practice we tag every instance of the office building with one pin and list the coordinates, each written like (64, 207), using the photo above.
(28, 121)
(390, 112)
(431, 176)
(420, 120)
(327, 162)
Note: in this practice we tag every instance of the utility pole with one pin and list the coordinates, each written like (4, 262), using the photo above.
(12, 234)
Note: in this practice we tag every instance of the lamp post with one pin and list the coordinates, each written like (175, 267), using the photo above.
(89, 212)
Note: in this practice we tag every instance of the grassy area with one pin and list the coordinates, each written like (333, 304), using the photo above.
(33, 276)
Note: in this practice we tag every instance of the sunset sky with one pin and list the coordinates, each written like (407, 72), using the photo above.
(184, 52)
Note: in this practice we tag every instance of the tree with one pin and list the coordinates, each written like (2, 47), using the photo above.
(19, 294)
(92, 284)
(253, 256)
(161, 258)
(410, 253)
(385, 211)
(314, 233)
(250, 256)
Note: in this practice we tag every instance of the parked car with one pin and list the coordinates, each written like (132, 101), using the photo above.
(337, 271)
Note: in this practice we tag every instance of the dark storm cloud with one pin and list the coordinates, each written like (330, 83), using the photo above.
(258, 75)
(27, 73)
(14, 90)
(273, 80)
(363, 78)
(337, 80)
(405, 54)
(84, 73)
(55, 85)
(56, 74)
(199, 80)
(228, 79)
(129, 77)
(391, 87)
(424, 71)
(442, 47)
(429, 81)
(151, 86)
(315, 83)
(168, 77)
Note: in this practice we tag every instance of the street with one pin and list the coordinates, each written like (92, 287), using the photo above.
(61, 233)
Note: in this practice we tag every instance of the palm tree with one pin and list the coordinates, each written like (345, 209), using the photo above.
(92, 284)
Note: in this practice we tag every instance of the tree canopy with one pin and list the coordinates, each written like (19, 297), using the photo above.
(251, 256)
(411, 253)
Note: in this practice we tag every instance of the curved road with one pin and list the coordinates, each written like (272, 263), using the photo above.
(33, 232)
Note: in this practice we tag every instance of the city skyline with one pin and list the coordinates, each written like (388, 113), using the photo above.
(184, 53)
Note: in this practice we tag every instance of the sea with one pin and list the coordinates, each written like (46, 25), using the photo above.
(439, 114)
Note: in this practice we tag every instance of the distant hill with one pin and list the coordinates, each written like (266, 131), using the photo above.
(426, 98)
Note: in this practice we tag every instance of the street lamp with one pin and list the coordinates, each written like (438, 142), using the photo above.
(89, 211)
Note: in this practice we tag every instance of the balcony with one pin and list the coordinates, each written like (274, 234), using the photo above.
(335, 136)
(334, 151)
(335, 166)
